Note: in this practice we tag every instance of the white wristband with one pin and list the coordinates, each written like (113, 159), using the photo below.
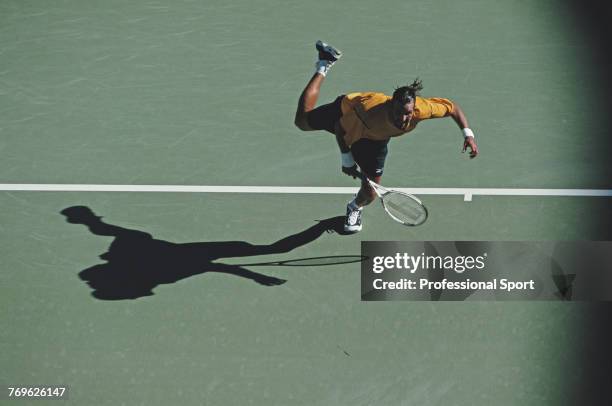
(347, 159)
(467, 133)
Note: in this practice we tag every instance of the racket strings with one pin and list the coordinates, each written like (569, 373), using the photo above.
(404, 208)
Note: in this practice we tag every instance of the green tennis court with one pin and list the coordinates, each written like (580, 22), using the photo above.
(191, 93)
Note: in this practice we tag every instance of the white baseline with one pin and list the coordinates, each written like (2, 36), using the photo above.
(467, 193)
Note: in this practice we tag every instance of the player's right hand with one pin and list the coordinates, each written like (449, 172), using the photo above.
(352, 171)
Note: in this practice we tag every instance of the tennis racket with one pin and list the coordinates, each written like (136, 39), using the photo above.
(401, 207)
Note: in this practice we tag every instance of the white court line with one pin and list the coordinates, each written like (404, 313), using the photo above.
(467, 193)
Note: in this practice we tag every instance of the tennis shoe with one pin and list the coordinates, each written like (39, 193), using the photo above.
(328, 52)
(352, 221)
(328, 55)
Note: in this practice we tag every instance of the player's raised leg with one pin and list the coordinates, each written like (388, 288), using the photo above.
(328, 55)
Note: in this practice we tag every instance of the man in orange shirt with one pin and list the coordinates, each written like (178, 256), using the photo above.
(363, 124)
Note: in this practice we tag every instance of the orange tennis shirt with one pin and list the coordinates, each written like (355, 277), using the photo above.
(366, 115)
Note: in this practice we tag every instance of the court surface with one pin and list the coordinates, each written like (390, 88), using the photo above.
(203, 94)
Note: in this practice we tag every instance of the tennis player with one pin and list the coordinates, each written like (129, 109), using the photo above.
(363, 124)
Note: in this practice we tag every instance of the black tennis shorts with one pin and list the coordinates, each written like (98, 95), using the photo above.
(326, 116)
(370, 155)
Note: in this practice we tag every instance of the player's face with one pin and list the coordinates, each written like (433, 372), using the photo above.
(402, 113)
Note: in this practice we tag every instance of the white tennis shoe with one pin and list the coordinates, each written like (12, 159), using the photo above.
(352, 221)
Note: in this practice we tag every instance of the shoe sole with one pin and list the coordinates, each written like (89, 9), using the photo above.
(352, 230)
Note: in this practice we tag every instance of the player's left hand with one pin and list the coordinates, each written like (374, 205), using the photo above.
(471, 144)
(351, 171)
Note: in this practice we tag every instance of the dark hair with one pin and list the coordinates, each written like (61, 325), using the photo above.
(405, 94)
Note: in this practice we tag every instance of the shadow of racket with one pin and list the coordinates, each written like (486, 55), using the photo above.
(313, 261)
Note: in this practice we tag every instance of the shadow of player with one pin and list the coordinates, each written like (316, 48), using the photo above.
(137, 262)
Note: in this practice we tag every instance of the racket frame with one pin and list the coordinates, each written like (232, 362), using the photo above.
(382, 191)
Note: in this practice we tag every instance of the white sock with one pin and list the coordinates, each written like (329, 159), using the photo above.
(322, 66)
(353, 205)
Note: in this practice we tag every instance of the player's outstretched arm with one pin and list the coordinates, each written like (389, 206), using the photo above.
(468, 134)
